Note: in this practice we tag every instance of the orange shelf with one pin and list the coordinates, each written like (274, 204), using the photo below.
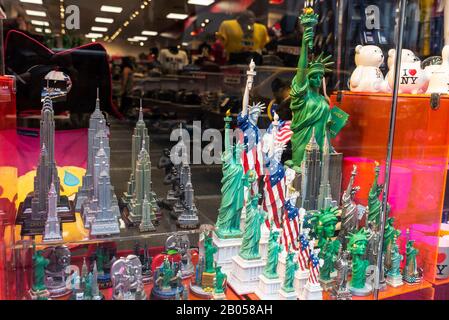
(441, 282)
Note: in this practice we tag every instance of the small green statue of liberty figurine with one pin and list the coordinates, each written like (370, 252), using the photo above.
(394, 277)
(209, 251)
(390, 238)
(325, 223)
(310, 109)
(411, 274)
(374, 203)
(255, 217)
(357, 247)
(220, 284)
(274, 248)
(39, 290)
(232, 190)
(291, 265)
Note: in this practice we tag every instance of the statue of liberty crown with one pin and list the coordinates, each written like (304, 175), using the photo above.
(320, 64)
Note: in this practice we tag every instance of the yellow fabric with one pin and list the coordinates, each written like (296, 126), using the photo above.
(233, 38)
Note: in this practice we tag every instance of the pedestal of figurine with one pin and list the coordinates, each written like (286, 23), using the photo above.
(226, 249)
(187, 270)
(290, 295)
(395, 281)
(281, 266)
(177, 210)
(411, 280)
(200, 292)
(188, 221)
(301, 277)
(327, 285)
(146, 227)
(166, 293)
(56, 285)
(219, 296)
(39, 295)
(104, 281)
(105, 227)
(268, 289)
(244, 276)
(342, 295)
(361, 292)
(263, 244)
(311, 292)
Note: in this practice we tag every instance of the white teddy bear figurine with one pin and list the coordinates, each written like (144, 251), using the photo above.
(367, 76)
(439, 74)
(413, 79)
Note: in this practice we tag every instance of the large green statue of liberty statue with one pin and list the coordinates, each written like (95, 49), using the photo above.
(310, 109)
(232, 190)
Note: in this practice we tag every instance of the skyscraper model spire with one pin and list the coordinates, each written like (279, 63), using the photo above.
(52, 225)
(140, 139)
(97, 123)
(325, 196)
(311, 174)
(101, 217)
(142, 188)
(189, 218)
(33, 211)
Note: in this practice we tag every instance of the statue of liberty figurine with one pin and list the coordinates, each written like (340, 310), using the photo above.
(374, 204)
(291, 265)
(394, 277)
(310, 109)
(209, 251)
(410, 274)
(274, 248)
(255, 217)
(232, 190)
(39, 265)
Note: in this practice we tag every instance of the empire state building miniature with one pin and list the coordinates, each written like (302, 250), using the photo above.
(189, 217)
(34, 210)
(311, 174)
(97, 123)
(140, 139)
(52, 225)
(100, 211)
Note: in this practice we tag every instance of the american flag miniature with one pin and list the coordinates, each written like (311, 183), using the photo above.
(290, 226)
(314, 275)
(274, 191)
(303, 255)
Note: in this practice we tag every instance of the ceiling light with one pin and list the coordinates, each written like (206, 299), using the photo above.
(36, 13)
(203, 24)
(201, 2)
(38, 29)
(177, 16)
(132, 40)
(32, 1)
(104, 20)
(140, 38)
(47, 31)
(111, 9)
(207, 20)
(185, 44)
(40, 23)
(99, 29)
(141, 44)
(149, 33)
(94, 35)
(142, 6)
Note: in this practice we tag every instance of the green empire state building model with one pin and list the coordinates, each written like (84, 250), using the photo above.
(227, 236)
(131, 199)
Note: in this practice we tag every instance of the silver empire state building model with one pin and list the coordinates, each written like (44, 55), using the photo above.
(189, 217)
(97, 123)
(52, 225)
(325, 195)
(100, 211)
(140, 139)
(32, 213)
(311, 174)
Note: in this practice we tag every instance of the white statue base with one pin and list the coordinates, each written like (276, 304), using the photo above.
(287, 295)
(268, 289)
(300, 280)
(281, 265)
(244, 276)
(226, 249)
(395, 281)
(263, 243)
(311, 292)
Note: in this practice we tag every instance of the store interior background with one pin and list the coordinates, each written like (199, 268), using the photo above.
(207, 84)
